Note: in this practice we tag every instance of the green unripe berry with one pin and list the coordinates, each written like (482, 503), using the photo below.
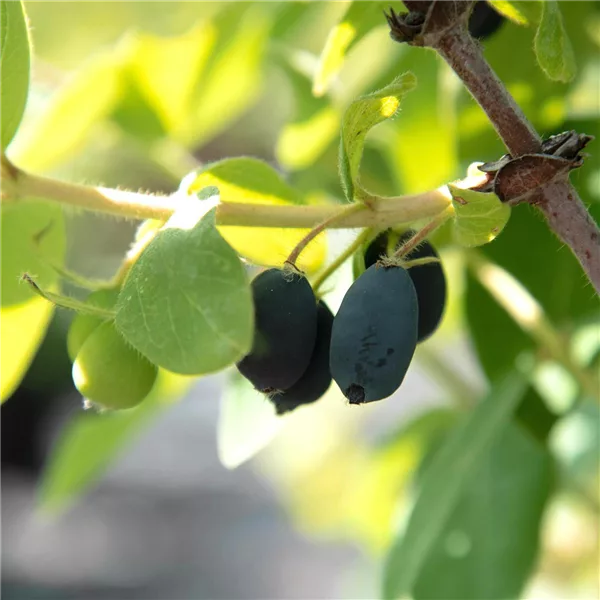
(83, 325)
(109, 372)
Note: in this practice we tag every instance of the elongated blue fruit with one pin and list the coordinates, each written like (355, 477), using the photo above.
(286, 327)
(429, 280)
(317, 378)
(374, 334)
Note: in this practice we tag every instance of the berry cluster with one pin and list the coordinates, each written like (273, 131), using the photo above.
(299, 347)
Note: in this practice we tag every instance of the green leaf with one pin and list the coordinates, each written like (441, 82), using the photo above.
(478, 217)
(64, 126)
(186, 303)
(522, 13)
(361, 116)
(314, 126)
(25, 315)
(489, 544)
(14, 67)
(552, 46)
(91, 441)
(452, 467)
(247, 422)
(360, 18)
(251, 181)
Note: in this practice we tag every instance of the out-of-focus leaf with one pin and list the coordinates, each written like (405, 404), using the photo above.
(233, 76)
(478, 217)
(314, 126)
(63, 127)
(168, 69)
(530, 252)
(489, 543)
(452, 468)
(247, 422)
(14, 67)
(91, 441)
(252, 181)
(519, 12)
(359, 19)
(186, 303)
(25, 316)
(552, 46)
(361, 116)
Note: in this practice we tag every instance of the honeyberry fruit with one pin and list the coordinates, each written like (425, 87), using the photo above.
(374, 334)
(484, 21)
(109, 372)
(317, 378)
(429, 280)
(285, 311)
(83, 325)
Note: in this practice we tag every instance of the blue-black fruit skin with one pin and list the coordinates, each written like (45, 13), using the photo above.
(285, 311)
(374, 334)
(317, 377)
(429, 280)
(484, 21)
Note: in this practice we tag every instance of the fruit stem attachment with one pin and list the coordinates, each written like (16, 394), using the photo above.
(423, 233)
(66, 302)
(341, 259)
(525, 310)
(313, 233)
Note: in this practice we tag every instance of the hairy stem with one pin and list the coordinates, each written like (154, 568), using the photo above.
(22, 186)
(423, 233)
(558, 201)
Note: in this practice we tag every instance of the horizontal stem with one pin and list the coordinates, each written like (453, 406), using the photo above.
(137, 205)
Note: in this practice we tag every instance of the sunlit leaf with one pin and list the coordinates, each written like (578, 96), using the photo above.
(489, 544)
(552, 45)
(361, 116)
(359, 19)
(14, 67)
(314, 126)
(186, 303)
(25, 316)
(444, 481)
(91, 441)
(74, 110)
(478, 217)
(519, 12)
(252, 181)
(247, 422)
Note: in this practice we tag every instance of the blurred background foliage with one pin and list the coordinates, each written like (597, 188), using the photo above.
(138, 94)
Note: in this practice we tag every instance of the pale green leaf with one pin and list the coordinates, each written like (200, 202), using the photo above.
(518, 11)
(443, 483)
(75, 109)
(25, 316)
(488, 546)
(552, 46)
(360, 18)
(247, 422)
(91, 442)
(14, 67)
(314, 126)
(186, 303)
(251, 181)
(361, 116)
(478, 217)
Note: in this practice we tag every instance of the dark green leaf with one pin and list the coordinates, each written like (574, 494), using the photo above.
(443, 483)
(186, 304)
(14, 67)
(487, 547)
